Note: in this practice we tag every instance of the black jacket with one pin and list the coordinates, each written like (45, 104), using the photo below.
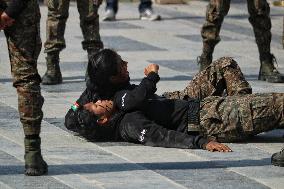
(152, 120)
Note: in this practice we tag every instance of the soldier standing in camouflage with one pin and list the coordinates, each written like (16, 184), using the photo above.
(20, 20)
(261, 22)
(55, 42)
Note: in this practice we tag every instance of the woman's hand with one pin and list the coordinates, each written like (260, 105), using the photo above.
(213, 146)
(151, 68)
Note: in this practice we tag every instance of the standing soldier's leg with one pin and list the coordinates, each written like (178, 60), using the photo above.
(24, 45)
(222, 74)
(55, 42)
(236, 118)
(89, 23)
(260, 20)
(216, 11)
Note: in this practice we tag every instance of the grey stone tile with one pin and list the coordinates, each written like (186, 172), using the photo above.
(198, 38)
(2, 34)
(211, 178)
(7, 112)
(186, 66)
(118, 25)
(121, 43)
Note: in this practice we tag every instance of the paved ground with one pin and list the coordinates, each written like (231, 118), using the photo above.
(174, 43)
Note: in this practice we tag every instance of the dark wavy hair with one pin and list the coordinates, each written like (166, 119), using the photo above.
(102, 66)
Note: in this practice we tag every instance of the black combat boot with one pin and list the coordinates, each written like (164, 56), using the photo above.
(277, 159)
(34, 163)
(268, 72)
(52, 75)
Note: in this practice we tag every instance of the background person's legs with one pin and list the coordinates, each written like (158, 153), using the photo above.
(146, 11)
(111, 10)
(215, 13)
(55, 42)
(259, 18)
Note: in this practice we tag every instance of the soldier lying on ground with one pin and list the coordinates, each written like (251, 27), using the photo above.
(108, 74)
(135, 116)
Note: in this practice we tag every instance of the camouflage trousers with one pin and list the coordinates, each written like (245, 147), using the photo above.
(259, 18)
(235, 118)
(24, 45)
(222, 75)
(58, 12)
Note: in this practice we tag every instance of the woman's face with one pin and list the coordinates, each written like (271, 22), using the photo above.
(122, 75)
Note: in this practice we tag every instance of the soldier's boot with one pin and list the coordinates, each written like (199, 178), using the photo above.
(268, 71)
(34, 163)
(277, 159)
(52, 75)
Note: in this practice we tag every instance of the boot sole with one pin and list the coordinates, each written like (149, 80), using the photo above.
(270, 80)
(278, 163)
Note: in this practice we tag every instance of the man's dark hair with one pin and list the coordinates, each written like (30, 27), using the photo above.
(102, 66)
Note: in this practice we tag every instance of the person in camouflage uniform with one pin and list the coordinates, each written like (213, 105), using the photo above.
(20, 21)
(222, 74)
(55, 42)
(261, 22)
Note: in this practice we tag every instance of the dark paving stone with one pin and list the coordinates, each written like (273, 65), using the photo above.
(178, 65)
(70, 84)
(7, 112)
(211, 178)
(71, 66)
(121, 43)
(198, 38)
(118, 25)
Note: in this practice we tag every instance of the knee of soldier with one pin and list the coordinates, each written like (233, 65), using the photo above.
(225, 62)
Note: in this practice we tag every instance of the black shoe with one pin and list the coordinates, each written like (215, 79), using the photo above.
(277, 159)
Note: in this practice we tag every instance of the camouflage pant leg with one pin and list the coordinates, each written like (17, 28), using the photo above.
(89, 22)
(215, 13)
(222, 74)
(24, 46)
(259, 18)
(55, 25)
(235, 118)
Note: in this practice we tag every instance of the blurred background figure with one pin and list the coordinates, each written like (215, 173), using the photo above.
(145, 10)
(58, 12)
(259, 18)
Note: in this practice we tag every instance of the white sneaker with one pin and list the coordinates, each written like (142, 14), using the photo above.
(148, 14)
(109, 15)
